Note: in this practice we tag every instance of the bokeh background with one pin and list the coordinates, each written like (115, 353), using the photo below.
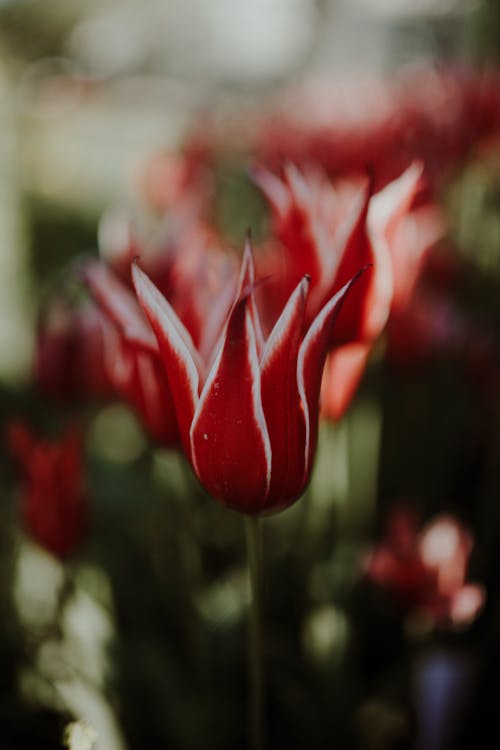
(138, 640)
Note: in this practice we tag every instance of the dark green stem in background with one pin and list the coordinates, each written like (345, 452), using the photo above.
(255, 650)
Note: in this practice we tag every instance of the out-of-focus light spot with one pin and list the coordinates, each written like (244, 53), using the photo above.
(223, 39)
(440, 542)
(89, 704)
(445, 548)
(38, 578)
(88, 629)
(224, 602)
(110, 43)
(114, 234)
(266, 37)
(466, 604)
(324, 634)
(169, 472)
(116, 435)
(79, 736)
(441, 684)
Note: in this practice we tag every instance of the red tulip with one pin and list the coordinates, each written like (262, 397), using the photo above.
(200, 284)
(433, 114)
(329, 230)
(54, 502)
(69, 360)
(247, 410)
(131, 353)
(425, 569)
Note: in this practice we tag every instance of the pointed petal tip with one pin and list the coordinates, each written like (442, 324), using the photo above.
(247, 273)
(136, 271)
(304, 285)
(354, 279)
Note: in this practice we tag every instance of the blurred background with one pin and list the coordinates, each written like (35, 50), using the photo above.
(382, 584)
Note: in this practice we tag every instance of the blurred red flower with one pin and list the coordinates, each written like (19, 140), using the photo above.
(200, 285)
(69, 356)
(425, 568)
(54, 500)
(435, 114)
(331, 229)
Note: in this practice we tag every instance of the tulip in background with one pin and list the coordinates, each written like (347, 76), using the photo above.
(201, 283)
(329, 230)
(131, 355)
(53, 495)
(425, 570)
(434, 113)
(69, 359)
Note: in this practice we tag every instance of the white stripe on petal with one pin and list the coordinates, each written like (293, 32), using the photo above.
(281, 326)
(119, 304)
(247, 279)
(273, 189)
(163, 315)
(393, 198)
(312, 333)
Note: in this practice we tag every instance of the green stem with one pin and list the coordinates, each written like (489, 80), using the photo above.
(255, 650)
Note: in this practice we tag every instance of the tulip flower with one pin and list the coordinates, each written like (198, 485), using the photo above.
(433, 114)
(69, 357)
(425, 569)
(330, 229)
(131, 354)
(247, 410)
(54, 501)
(201, 284)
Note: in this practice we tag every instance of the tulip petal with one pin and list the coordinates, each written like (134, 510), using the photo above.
(273, 188)
(156, 404)
(282, 404)
(388, 205)
(246, 286)
(344, 369)
(230, 446)
(139, 377)
(413, 238)
(312, 355)
(385, 210)
(353, 250)
(176, 349)
(119, 305)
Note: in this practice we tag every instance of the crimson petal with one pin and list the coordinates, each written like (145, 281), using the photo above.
(281, 402)
(119, 305)
(311, 359)
(176, 349)
(230, 446)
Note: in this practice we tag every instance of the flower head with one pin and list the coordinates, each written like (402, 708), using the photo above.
(425, 568)
(247, 407)
(54, 502)
(69, 357)
(331, 229)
